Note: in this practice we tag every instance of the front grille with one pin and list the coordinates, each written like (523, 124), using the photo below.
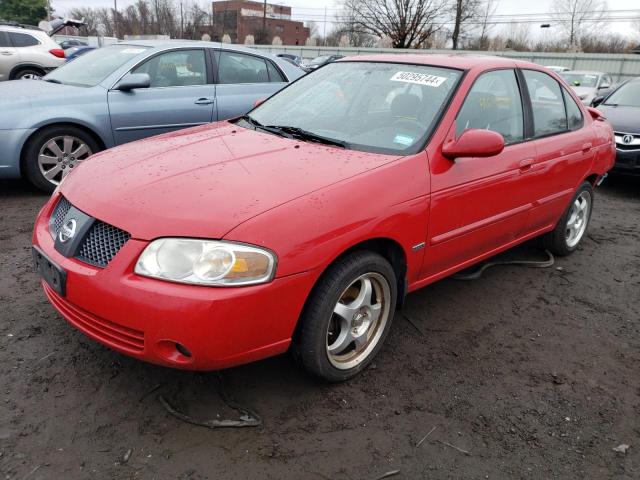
(101, 244)
(57, 219)
(103, 330)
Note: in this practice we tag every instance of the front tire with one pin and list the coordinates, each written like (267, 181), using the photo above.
(52, 153)
(347, 316)
(572, 227)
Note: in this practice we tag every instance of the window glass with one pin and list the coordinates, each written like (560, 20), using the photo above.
(93, 67)
(627, 95)
(274, 73)
(23, 40)
(574, 114)
(549, 115)
(179, 68)
(236, 67)
(494, 103)
(4, 40)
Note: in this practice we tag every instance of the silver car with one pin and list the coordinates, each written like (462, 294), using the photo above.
(125, 92)
(27, 53)
(587, 85)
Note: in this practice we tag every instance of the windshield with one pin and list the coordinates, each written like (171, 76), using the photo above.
(93, 67)
(627, 95)
(581, 79)
(377, 107)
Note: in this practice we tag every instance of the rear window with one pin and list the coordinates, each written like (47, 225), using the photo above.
(23, 40)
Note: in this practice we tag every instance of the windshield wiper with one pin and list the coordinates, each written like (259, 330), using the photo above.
(302, 134)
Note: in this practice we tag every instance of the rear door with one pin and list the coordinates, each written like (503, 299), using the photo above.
(181, 95)
(564, 147)
(242, 79)
(480, 205)
(8, 56)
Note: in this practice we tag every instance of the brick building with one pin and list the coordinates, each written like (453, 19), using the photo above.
(239, 18)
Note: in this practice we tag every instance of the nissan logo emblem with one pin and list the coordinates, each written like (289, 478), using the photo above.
(68, 230)
(627, 139)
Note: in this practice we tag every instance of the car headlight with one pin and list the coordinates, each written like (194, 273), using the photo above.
(206, 262)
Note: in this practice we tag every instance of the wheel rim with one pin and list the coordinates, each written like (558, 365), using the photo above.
(30, 76)
(60, 155)
(358, 320)
(578, 219)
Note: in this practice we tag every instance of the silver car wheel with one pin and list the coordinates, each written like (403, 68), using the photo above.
(59, 155)
(578, 219)
(30, 76)
(358, 320)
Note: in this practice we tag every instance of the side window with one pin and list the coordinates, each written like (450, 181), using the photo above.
(494, 103)
(274, 73)
(179, 68)
(23, 40)
(549, 115)
(574, 114)
(234, 67)
(4, 40)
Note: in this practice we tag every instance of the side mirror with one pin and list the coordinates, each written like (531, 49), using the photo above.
(134, 80)
(474, 143)
(597, 101)
(258, 102)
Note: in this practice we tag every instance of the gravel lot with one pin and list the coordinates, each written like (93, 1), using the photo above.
(534, 372)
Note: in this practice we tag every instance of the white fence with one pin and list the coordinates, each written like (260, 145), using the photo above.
(619, 66)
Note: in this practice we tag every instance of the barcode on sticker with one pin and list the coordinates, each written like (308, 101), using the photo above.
(419, 78)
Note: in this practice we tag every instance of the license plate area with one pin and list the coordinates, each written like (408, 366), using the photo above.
(51, 273)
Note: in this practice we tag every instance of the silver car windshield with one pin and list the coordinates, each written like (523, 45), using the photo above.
(378, 107)
(93, 67)
(589, 80)
(626, 96)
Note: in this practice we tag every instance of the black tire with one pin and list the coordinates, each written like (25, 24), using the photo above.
(27, 72)
(37, 141)
(311, 340)
(556, 241)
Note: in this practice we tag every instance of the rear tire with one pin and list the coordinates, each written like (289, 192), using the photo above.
(347, 316)
(572, 226)
(29, 74)
(53, 152)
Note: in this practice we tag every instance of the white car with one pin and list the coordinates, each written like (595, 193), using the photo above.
(588, 85)
(557, 68)
(27, 52)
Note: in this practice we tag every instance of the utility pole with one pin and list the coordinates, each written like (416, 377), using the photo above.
(115, 17)
(264, 23)
(181, 21)
(324, 32)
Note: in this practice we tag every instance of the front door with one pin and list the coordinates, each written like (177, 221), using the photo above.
(480, 204)
(8, 56)
(181, 95)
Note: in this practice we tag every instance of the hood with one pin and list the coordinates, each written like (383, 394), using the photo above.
(589, 91)
(622, 119)
(204, 181)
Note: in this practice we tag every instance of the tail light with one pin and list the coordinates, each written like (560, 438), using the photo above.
(57, 52)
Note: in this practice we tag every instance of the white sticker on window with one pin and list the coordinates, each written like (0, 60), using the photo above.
(419, 78)
(133, 50)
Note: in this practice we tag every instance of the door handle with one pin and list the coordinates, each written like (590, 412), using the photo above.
(204, 101)
(525, 164)
(5, 52)
(587, 147)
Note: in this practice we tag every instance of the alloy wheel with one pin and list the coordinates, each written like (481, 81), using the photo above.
(30, 76)
(358, 320)
(59, 155)
(578, 219)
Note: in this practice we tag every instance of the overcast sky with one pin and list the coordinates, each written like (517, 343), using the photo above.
(314, 9)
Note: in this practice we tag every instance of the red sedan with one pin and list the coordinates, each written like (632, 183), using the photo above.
(304, 224)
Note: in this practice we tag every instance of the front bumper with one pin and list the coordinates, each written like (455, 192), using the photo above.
(170, 324)
(627, 161)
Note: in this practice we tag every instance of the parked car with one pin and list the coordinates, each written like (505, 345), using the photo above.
(303, 224)
(622, 109)
(320, 61)
(66, 44)
(126, 92)
(587, 85)
(291, 58)
(558, 69)
(27, 53)
(74, 52)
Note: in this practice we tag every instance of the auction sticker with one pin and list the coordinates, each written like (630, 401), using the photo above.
(419, 78)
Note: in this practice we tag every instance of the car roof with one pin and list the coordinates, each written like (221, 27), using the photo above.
(25, 29)
(187, 43)
(458, 61)
(586, 72)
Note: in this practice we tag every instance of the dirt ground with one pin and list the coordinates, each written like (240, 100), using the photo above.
(534, 372)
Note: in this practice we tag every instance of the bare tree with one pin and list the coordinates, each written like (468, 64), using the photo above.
(407, 23)
(462, 11)
(575, 16)
(518, 37)
(486, 12)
